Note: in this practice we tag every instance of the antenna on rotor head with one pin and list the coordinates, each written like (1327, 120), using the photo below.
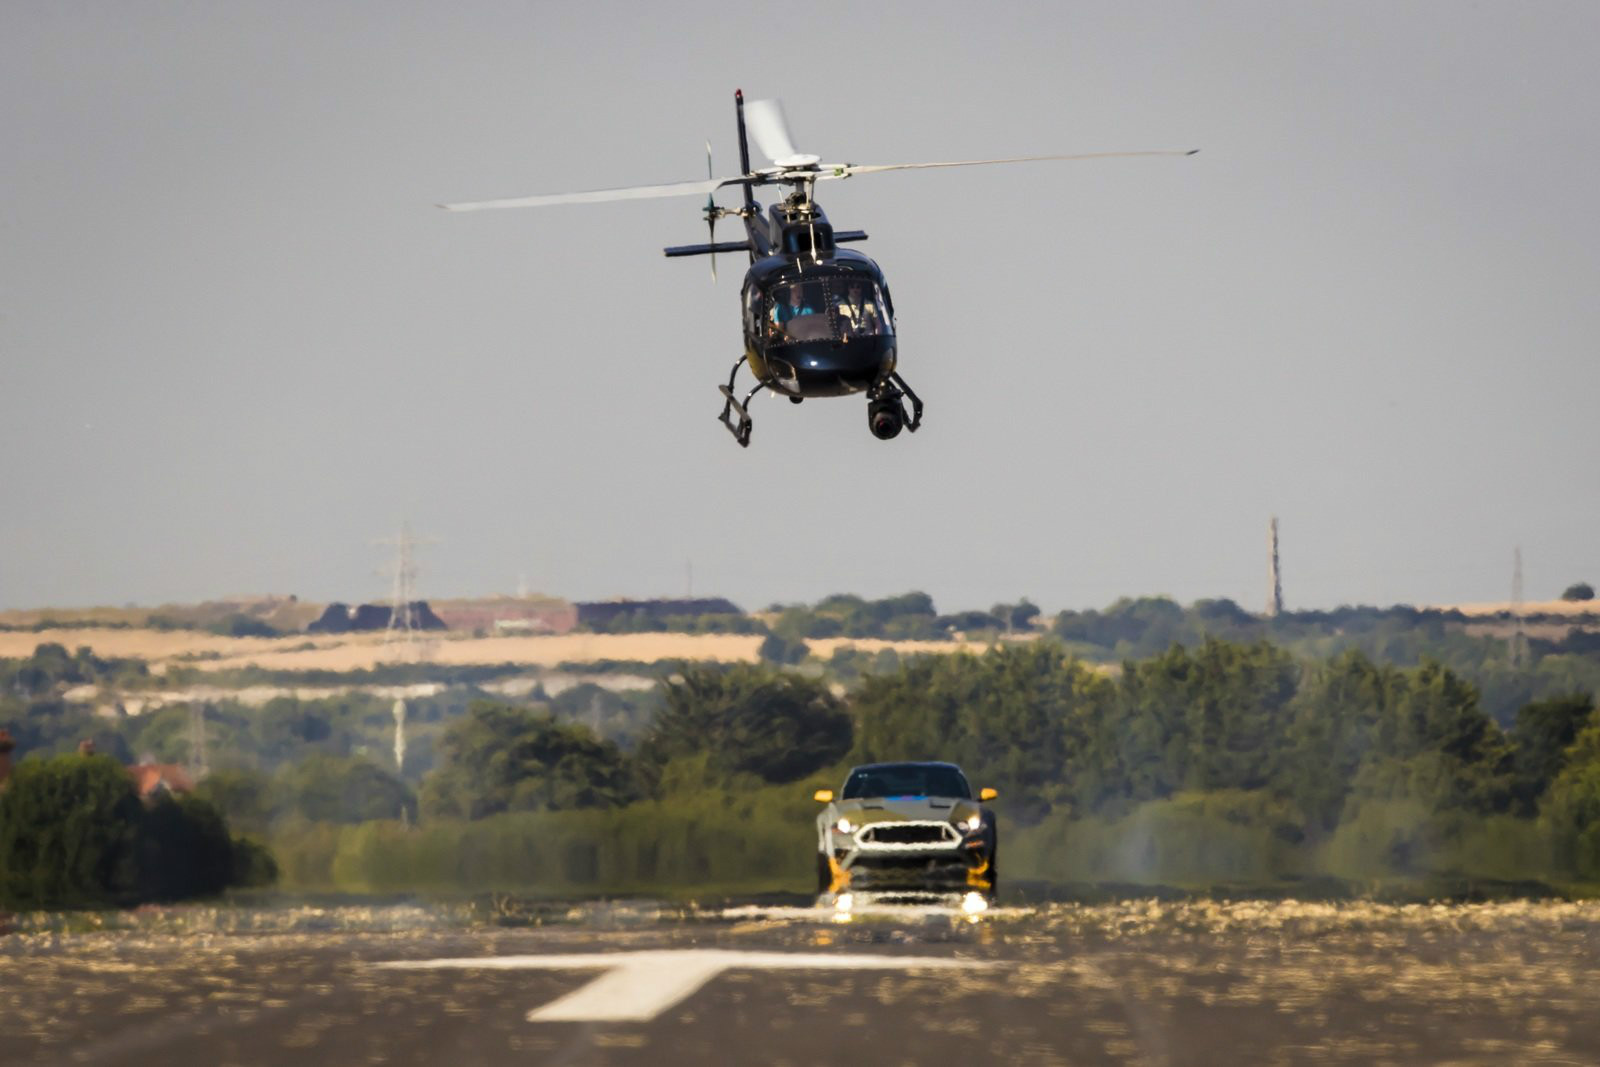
(744, 152)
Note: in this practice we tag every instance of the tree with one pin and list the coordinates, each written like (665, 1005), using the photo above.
(783, 651)
(73, 834)
(1336, 711)
(1542, 735)
(1019, 616)
(501, 758)
(1578, 591)
(68, 833)
(1017, 717)
(1571, 809)
(184, 849)
(748, 719)
(248, 799)
(343, 789)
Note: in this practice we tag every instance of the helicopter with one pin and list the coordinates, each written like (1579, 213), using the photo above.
(818, 319)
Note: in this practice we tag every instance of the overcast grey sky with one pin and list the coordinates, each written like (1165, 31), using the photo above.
(237, 343)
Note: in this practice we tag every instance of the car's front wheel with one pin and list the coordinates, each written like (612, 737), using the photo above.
(824, 874)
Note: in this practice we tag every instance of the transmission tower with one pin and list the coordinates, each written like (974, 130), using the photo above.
(1274, 578)
(402, 639)
(1519, 639)
(199, 761)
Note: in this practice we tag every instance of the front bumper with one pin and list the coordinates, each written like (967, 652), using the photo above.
(959, 863)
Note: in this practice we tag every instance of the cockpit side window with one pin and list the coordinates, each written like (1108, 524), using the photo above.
(752, 305)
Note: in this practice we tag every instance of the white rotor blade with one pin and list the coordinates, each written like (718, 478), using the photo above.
(597, 196)
(845, 170)
(765, 122)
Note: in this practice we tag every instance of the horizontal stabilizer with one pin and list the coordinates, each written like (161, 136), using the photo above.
(706, 250)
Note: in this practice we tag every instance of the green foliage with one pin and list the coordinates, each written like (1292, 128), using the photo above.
(342, 789)
(782, 651)
(234, 624)
(909, 616)
(710, 841)
(503, 758)
(253, 866)
(52, 668)
(751, 720)
(1578, 591)
(184, 849)
(1018, 616)
(1544, 732)
(1210, 719)
(622, 716)
(49, 726)
(73, 834)
(1014, 718)
(1195, 840)
(248, 798)
(69, 830)
(1335, 712)
(643, 621)
(1571, 810)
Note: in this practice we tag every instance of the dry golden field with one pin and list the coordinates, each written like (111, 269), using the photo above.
(351, 652)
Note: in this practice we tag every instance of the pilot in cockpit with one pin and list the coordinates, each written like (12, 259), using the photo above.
(793, 306)
(858, 313)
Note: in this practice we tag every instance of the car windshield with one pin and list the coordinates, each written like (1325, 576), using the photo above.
(828, 308)
(906, 780)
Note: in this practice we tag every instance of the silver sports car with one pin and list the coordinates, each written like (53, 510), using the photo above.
(906, 828)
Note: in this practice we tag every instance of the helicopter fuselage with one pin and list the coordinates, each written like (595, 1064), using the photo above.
(818, 321)
(803, 335)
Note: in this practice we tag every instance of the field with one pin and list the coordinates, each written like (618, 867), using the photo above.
(354, 652)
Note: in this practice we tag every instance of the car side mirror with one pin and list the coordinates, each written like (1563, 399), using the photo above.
(822, 796)
(986, 793)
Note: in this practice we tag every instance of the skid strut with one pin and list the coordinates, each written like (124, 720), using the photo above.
(916, 402)
(731, 405)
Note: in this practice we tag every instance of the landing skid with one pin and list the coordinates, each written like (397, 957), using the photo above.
(889, 392)
(733, 406)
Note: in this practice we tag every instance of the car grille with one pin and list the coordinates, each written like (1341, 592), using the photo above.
(910, 833)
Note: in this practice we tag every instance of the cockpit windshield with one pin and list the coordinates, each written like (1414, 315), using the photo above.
(906, 780)
(828, 308)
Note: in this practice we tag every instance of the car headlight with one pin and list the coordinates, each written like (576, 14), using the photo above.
(970, 824)
(845, 826)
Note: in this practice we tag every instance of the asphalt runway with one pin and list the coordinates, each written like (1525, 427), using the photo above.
(1136, 982)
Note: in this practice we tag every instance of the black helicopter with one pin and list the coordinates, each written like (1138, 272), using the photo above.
(818, 319)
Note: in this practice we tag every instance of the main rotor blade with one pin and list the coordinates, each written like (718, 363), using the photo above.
(597, 196)
(847, 169)
(765, 122)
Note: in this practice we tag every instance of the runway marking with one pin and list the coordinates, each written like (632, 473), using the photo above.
(638, 986)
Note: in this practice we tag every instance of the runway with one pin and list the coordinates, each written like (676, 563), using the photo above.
(1135, 982)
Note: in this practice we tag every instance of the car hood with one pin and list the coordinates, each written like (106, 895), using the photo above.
(866, 810)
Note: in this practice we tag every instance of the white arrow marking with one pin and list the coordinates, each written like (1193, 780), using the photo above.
(638, 986)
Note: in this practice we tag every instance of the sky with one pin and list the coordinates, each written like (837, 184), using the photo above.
(239, 344)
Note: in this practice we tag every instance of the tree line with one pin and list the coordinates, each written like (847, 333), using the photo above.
(1224, 761)
(1218, 759)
